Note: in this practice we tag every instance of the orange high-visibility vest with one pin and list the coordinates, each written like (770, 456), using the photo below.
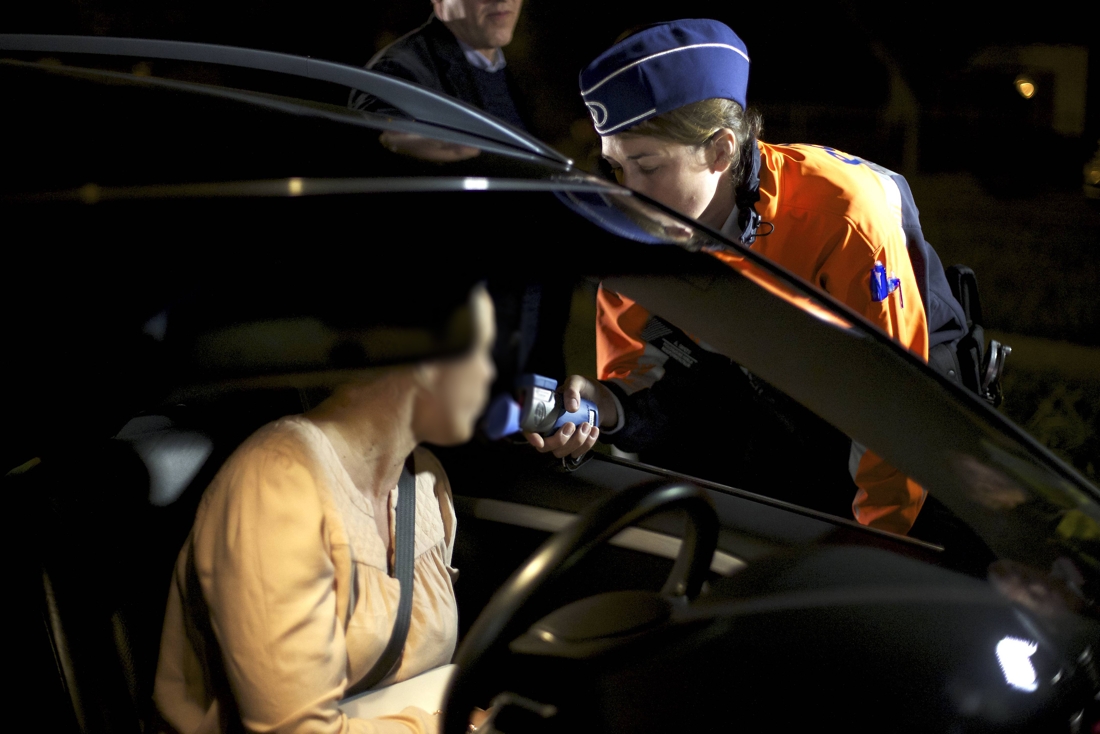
(833, 218)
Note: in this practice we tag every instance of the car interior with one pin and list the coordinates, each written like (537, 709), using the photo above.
(104, 576)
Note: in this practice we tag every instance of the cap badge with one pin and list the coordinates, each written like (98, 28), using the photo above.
(598, 112)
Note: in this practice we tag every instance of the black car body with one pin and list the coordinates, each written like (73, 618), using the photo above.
(295, 246)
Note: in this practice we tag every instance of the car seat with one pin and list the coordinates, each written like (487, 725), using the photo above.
(104, 522)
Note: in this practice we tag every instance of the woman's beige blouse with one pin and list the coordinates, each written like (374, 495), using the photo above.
(296, 601)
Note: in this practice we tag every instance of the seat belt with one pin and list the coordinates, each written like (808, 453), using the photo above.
(405, 542)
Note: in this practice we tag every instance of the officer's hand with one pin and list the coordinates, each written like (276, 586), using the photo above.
(427, 149)
(576, 441)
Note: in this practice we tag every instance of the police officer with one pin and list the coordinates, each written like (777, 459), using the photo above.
(669, 105)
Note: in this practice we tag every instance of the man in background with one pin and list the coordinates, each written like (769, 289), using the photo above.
(459, 52)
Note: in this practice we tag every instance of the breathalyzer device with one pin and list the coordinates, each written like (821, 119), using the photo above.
(537, 408)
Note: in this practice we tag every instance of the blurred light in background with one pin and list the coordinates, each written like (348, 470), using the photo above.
(1061, 71)
(1025, 86)
(1092, 174)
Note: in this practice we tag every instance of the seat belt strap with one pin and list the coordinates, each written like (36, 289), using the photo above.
(405, 542)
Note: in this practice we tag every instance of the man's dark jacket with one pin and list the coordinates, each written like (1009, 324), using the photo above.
(431, 57)
(531, 316)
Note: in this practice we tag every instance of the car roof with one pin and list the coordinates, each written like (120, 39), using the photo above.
(440, 112)
(78, 126)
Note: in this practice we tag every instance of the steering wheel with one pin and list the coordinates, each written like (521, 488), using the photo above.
(521, 600)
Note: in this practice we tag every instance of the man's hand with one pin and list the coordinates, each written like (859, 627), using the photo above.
(427, 149)
(576, 441)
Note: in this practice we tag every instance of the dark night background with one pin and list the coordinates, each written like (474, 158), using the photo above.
(927, 88)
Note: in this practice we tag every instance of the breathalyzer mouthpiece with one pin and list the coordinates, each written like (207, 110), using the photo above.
(502, 418)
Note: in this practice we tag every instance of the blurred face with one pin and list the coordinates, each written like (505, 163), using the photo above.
(483, 24)
(455, 391)
(690, 180)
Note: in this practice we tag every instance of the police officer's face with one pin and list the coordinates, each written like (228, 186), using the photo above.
(691, 180)
(483, 24)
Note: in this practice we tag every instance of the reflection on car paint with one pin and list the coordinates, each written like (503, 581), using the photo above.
(777, 287)
(1014, 657)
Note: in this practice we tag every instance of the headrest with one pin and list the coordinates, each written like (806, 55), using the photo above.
(172, 456)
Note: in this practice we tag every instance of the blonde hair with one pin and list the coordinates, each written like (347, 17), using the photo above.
(696, 123)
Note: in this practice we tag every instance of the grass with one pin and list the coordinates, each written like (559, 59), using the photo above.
(1036, 261)
(1035, 257)
(1060, 412)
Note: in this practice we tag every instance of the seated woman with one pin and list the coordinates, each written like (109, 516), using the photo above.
(281, 598)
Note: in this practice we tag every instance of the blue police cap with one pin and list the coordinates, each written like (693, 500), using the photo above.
(662, 68)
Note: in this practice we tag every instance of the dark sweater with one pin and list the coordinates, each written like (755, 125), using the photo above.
(431, 57)
(531, 316)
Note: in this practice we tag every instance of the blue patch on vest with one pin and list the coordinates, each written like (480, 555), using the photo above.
(882, 285)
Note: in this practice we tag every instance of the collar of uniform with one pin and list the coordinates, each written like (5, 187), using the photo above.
(767, 183)
(480, 62)
(746, 198)
(730, 228)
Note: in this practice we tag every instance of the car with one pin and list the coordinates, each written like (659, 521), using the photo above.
(197, 241)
